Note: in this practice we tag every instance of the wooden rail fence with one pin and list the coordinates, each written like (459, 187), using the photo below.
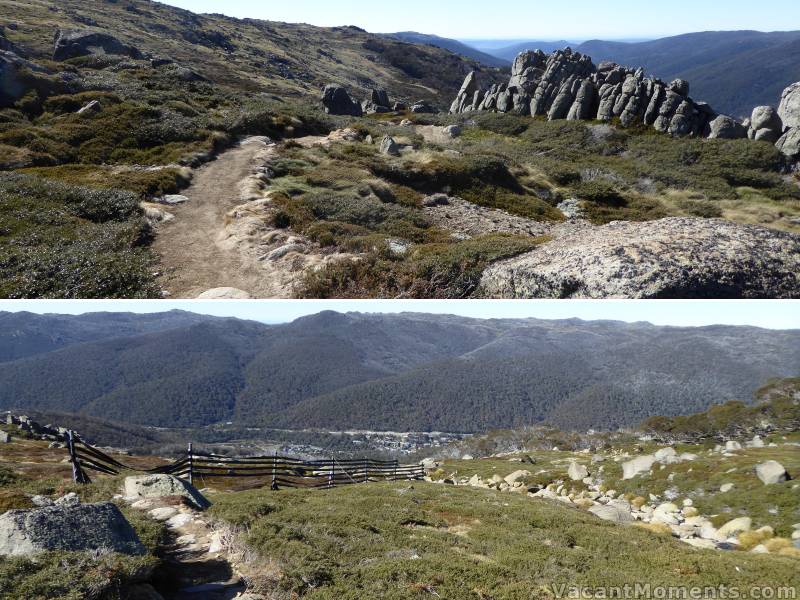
(279, 471)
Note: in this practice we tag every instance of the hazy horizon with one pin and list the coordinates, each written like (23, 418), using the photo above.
(766, 314)
(622, 19)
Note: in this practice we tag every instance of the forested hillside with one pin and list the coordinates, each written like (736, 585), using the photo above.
(397, 372)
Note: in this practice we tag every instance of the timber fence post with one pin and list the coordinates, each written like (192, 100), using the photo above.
(332, 474)
(274, 485)
(77, 471)
(191, 464)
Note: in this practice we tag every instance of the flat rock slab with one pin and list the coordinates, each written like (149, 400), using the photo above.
(669, 258)
(67, 527)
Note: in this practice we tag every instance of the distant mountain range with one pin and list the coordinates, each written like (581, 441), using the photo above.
(385, 372)
(734, 71)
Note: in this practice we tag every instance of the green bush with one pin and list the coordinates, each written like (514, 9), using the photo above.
(601, 192)
(441, 270)
(62, 241)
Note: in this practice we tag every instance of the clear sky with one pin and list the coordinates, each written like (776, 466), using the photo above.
(535, 19)
(770, 314)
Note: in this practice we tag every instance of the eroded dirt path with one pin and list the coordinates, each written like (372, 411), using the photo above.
(192, 260)
(221, 242)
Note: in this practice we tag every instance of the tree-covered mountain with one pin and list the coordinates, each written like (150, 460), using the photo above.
(25, 334)
(454, 46)
(734, 71)
(385, 372)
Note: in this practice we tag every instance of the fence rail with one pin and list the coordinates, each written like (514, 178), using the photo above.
(280, 471)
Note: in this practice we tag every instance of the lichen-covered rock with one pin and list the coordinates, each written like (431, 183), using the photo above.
(765, 117)
(789, 143)
(771, 472)
(159, 486)
(389, 146)
(726, 128)
(67, 526)
(614, 513)
(75, 43)
(337, 101)
(577, 471)
(789, 107)
(678, 257)
(637, 466)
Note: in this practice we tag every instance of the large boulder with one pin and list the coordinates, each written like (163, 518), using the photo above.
(726, 128)
(789, 108)
(678, 257)
(577, 471)
(337, 101)
(637, 466)
(771, 472)
(69, 527)
(789, 143)
(160, 486)
(734, 527)
(615, 513)
(389, 146)
(75, 43)
(765, 124)
(517, 476)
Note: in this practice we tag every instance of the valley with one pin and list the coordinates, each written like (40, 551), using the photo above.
(622, 503)
(407, 372)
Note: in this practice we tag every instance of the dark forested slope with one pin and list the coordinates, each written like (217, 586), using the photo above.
(401, 372)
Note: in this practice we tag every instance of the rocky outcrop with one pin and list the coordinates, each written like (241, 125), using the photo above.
(337, 101)
(159, 486)
(669, 258)
(567, 85)
(378, 102)
(68, 526)
(75, 43)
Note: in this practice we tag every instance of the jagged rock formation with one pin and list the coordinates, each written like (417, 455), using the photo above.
(378, 102)
(567, 85)
(70, 526)
(669, 258)
(31, 428)
(72, 44)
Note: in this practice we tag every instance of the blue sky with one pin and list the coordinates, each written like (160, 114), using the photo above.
(770, 314)
(535, 19)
